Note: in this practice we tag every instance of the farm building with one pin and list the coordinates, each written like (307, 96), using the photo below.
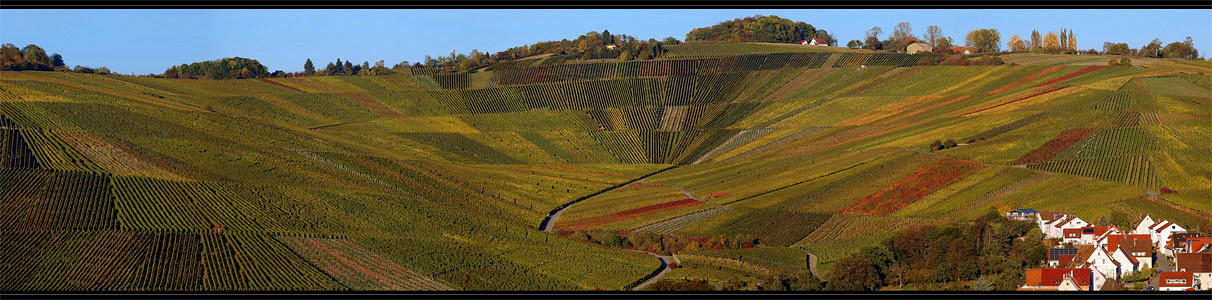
(918, 48)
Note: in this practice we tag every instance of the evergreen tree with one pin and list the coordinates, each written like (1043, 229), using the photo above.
(57, 60)
(340, 68)
(348, 69)
(308, 68)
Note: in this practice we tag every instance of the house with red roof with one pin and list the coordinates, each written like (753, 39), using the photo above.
(1045, 218)
(1200, 266)
(1071, 236)
(1060, 256)
(1190, 242)
(1055, 231)
(1176, 281)
(1091, 234)
(1161, 233)
(1141, 249)
(1068, 279)
(818, 42)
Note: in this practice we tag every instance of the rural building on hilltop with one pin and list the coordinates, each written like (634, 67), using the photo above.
(963, 50)
(815, 42)
(918, 48)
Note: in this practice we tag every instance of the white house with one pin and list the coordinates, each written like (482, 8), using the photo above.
(1141, 249)
(1045, 219)
(1161, 236)
(1142, 225)
(1068, 222)
(817, 42)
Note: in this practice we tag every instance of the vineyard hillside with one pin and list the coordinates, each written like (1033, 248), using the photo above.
(439, 182)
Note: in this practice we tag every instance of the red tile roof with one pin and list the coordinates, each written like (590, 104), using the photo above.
(1114, 240)
(1164, 276)
(1136, 245)
(820, 41)
(1053, 277)
(1050, 215)
(1193, 262)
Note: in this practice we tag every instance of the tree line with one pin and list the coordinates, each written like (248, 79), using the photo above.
(989, 254)
(225, 68)
(34, 58)
(759, 28)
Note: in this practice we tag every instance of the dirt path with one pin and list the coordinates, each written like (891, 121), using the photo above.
(812, 265)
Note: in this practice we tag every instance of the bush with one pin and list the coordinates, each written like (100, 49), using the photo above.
(1111, 62)
(1125, 62)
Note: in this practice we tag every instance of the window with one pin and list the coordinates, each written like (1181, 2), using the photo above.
(1176, 281)
(1056, 282)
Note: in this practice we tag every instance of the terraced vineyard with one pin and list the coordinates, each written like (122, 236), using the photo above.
(428, 181)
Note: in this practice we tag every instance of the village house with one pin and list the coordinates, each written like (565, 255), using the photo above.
(1107, 263)
(1091, 234)
(1176, 281)
(918, 48)
(1021, 214)
(1141, 249)
(1200, 266)
(818, 42)
(1045, 219)
(1068, 279)
(1058, 226)
(1161, 233)
(1142, 225)
(1060, 256)
(1189, 242)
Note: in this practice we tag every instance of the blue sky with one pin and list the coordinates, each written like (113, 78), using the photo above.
(148, 41)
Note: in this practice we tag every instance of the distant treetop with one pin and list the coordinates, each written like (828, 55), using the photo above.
(769, 29)
(226, 68)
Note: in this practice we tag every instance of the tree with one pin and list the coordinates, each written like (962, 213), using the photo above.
(984, 40)
(855, 44)
(1015, 44)
(57, 60)
(1036, 41)
(1102, 220)
(943, 43)
(308, 68)
(1072, 41)
(897, 39)
(1064, 39)
(1124, 61)
(671, 40)
(1050, 42)
(1153, 49)
(37, 56)
(853, 274)
(872, 40)
(331, 69)
(348, 69)
(933, 33)
(607, 38)
(1116, 48)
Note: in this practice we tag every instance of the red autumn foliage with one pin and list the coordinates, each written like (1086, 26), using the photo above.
(627, 214)
(1166, 190)
(914, 187)
(1054, 146)
(1025, 79)
(1071, 75)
